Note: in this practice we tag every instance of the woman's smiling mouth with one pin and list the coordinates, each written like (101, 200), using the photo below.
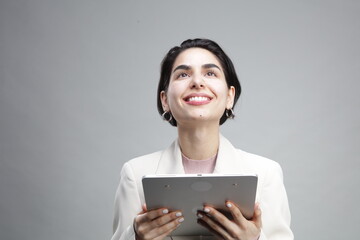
(197, 99)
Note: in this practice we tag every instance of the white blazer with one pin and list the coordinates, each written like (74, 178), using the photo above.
(271, 192)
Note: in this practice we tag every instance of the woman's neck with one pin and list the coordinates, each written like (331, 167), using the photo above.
(199, 143)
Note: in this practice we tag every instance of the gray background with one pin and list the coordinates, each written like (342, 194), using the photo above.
(77, 99)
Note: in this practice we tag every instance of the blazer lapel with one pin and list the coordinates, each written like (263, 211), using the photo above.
(170, 161)
(228, 159)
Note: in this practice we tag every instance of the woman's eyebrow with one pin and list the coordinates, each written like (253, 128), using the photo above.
(184, 67)
(205, 66)
(210, 65)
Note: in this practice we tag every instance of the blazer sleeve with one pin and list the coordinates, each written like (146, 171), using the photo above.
(275, 208)
(127, 205)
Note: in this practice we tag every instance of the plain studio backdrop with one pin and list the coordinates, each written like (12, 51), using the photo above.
(78, 86)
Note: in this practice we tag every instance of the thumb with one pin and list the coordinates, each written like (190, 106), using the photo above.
(257, 215)
(144, 208)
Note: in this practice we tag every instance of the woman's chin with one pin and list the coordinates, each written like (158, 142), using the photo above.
(199, 120)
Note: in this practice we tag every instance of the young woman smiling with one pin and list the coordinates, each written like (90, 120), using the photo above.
(197, 92)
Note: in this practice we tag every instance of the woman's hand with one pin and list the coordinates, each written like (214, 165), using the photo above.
(156, 224)
(237, 228)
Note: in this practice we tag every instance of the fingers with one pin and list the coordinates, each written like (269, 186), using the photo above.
(155, 223)
(165, 230)
(219, 223)
(149, 216)
(240, 219)
(237, 227)
(212, 225)
(236, 213)
(167, 219)
(159, 232)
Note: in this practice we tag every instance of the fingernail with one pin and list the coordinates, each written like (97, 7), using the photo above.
(178, 214)
(229, 205)
(181, 220)
(165, 211)
(200, 215)
(206, 210)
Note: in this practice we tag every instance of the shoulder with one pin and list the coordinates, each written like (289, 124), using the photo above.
(269, 172)
(148, 159)
(258, 161)
(246, 162)
(265, 168)
(142, 165)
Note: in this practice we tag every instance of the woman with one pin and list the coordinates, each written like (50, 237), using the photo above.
(197, 92)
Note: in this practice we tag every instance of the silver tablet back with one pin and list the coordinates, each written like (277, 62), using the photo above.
(189, 192)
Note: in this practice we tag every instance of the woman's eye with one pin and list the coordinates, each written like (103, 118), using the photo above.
(183, 75)
(210, 74)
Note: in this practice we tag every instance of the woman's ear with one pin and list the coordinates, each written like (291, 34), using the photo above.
(164, 103)
(231, 97)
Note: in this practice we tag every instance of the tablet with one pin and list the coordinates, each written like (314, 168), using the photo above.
(189, 192)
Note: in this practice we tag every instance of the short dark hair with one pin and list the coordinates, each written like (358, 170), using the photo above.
(226, 63)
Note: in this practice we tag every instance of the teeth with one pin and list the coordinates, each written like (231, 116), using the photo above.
(198, 99)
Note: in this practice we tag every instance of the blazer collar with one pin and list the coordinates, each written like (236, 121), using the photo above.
(171, 161)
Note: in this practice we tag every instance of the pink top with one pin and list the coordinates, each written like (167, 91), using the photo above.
(198, 166)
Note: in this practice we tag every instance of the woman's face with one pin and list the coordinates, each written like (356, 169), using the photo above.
(197, 90)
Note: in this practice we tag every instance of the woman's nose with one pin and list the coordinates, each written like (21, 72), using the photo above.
(197, 82)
